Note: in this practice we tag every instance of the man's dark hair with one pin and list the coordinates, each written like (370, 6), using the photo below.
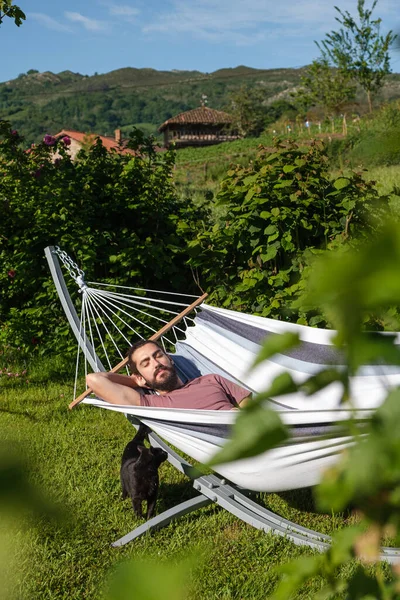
(131, 363)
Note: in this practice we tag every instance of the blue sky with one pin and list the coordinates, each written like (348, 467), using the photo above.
(98, 36)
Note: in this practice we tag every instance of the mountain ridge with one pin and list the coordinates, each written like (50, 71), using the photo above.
(38, 103)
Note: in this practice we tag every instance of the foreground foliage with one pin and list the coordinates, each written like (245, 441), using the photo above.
(348, 285)
(12, 11)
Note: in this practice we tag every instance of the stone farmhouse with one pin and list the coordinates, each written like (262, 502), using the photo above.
(201, 126)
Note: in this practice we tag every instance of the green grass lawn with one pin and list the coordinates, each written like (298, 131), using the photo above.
(73, 458)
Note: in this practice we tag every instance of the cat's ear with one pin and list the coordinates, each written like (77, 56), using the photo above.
(159, 455)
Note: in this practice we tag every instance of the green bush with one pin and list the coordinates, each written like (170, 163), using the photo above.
(115, 214)
(280, 211)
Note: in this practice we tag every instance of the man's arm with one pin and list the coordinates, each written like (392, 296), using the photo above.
(114, 388)
(245, 401)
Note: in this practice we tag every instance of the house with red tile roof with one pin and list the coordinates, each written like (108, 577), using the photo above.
(81, 140)
(201, 126)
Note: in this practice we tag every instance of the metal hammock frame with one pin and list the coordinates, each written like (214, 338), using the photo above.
(211, 488)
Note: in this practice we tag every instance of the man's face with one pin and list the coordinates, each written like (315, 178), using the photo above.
(156, 369)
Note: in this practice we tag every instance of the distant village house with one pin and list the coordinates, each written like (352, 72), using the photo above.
(81, 140)
(201, 126)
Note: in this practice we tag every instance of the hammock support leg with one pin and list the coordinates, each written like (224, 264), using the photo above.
(213, 489)
(163, 519)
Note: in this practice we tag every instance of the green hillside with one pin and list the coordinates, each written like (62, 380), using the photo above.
(39, 103)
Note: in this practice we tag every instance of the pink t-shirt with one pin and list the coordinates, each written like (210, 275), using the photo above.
(208, 392)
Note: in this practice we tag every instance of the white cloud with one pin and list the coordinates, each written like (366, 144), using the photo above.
(123, 10)
(89, 24)
(49, 22)
(251, 21)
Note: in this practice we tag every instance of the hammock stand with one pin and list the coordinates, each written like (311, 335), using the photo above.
(211, 488)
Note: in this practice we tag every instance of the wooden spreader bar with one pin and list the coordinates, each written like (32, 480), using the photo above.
(156, 336)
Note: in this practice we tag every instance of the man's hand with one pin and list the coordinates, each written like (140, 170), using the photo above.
(245, 401)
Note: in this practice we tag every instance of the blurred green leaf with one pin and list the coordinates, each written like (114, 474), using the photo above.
(147, 580)
(282, 384)
(349, 283)
(369, 467)
(362, 586)
(374, 348)
(275, 344)
(317, 382)
(16, 491)
(294, 574)
(256, 430)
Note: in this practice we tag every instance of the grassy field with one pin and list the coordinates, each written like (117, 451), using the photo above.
(73, 458)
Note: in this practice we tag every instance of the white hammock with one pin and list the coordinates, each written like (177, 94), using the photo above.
(225, 342)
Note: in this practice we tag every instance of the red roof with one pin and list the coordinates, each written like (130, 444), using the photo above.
(199, 116)
(108, 142)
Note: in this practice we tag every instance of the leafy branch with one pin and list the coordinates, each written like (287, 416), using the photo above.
(8, 9)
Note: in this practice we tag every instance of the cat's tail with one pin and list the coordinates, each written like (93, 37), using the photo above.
(142, 434)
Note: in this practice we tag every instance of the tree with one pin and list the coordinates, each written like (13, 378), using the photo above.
(326, 86)
(247, 111)
(359, 49)
(7, 9)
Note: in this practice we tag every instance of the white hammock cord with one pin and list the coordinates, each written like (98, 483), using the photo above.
(126, 287)
(90, 330)
(94, 302)
(117, 303)
(91, 308)
(78, 350)
(105, 300)
(84, 331)
(129, 302)
(101, 303)
(141, 301)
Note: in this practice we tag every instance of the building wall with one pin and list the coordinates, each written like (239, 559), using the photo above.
(196, 135)
(72, 149)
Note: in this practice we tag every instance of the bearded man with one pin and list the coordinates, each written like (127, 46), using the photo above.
(152, 369)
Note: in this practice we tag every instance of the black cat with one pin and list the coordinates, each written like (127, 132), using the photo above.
(139, 472)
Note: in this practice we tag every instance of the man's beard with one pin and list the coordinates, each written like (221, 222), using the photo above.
(167, 384)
